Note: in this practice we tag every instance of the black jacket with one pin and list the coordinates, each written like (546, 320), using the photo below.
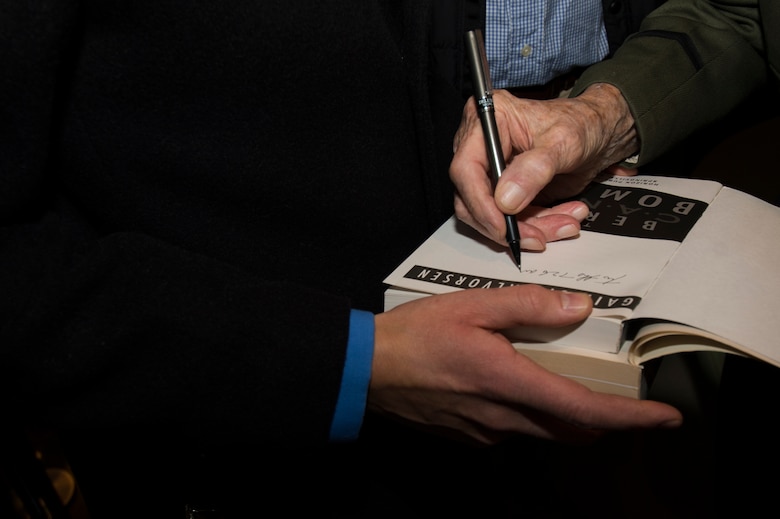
(193, 200)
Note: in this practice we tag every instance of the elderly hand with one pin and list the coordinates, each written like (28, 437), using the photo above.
(553, 149)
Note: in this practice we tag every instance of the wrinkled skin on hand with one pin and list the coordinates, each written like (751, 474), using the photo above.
(552, 148)
(441, 363)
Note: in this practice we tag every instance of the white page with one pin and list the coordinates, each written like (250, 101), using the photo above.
(595, 262)
(616, 271)
(725, 278)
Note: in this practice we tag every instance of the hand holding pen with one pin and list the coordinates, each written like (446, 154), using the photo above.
(555, 148)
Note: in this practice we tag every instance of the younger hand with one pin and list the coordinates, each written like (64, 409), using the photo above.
(441, 363)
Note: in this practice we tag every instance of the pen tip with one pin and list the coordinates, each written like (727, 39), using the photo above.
(514, 246)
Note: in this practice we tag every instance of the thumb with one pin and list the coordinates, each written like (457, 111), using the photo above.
(525, 305)
(523, 178)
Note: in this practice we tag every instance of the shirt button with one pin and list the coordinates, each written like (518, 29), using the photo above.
(526, 51)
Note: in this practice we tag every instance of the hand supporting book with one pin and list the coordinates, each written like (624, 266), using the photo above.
(467, 377)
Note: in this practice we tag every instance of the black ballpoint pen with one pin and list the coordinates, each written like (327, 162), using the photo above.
(483, 95)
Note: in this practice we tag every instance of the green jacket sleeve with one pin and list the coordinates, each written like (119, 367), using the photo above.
(691, 63)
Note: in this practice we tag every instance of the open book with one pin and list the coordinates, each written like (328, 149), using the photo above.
(672, 265)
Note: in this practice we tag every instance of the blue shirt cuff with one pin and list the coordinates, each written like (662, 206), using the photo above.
(351, 404)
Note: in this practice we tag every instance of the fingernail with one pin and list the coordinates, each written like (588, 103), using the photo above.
(511, 196)
(580, 212)
(574, 301)
(567, 231)
(531, 244)
(671, 424)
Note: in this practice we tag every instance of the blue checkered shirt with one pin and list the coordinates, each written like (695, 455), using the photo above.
(529, 42)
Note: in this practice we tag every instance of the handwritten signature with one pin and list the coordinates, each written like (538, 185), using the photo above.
(601, 279)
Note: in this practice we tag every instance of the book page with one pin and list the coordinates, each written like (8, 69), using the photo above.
(457, 257)
(603, 372)
(634, 227)
(661, 339)
(724, 278)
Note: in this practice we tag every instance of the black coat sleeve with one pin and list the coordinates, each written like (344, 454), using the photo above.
(108, 325)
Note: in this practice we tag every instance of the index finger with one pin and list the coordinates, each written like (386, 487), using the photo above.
(575, 404)
(470, 174)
